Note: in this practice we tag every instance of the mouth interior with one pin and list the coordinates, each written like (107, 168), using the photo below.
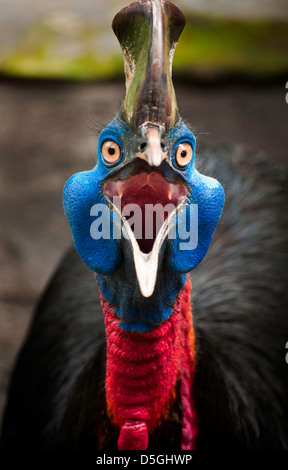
(147, 199)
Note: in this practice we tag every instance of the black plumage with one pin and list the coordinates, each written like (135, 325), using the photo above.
(57, 394)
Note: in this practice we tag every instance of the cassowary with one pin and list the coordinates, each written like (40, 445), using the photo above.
(119, 363)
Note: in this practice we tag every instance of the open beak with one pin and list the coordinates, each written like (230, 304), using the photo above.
(147, 203)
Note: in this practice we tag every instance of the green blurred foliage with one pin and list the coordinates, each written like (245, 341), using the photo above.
(209, 47)
(213, 46)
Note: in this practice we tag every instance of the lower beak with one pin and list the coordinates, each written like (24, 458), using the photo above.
(146, 264)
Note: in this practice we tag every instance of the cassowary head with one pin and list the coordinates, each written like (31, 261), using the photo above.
(142, 219)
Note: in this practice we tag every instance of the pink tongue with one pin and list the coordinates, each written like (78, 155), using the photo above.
(133, 436)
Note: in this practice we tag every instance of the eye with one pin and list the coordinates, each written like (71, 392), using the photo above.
(111, 151)
(184, 154)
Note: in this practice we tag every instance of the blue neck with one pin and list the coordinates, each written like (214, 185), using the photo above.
(138, 313)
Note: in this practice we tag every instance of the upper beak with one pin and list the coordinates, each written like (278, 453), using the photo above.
(153, 152)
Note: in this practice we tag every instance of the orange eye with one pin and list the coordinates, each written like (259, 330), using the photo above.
(111, 151)
(184, 154)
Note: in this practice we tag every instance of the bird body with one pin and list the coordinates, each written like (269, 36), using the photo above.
(140, 359)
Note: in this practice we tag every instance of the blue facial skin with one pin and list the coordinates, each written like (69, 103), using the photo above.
(112, 259)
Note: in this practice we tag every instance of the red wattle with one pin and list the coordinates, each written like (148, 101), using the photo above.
(133, 436)
(142, 371)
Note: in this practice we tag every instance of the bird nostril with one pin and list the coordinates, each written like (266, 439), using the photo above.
(143, 146)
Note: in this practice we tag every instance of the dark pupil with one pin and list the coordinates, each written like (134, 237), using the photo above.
(183, 153)
(111, 151)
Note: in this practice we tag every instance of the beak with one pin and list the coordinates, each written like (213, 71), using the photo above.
(146, 265)
(148, 31)
(153, 151)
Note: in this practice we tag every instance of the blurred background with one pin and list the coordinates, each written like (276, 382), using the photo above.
(61, 77)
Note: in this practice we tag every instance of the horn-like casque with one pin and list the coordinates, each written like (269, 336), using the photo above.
(148, 32)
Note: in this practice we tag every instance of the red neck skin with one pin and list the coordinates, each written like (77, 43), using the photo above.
(142, 371)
